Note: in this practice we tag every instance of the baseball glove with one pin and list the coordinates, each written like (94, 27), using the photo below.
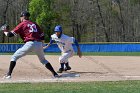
(4, 27)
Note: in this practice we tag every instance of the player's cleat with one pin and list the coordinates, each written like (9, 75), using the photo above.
(7, 77)
(60, 70)
(67, 68)
(57, 76)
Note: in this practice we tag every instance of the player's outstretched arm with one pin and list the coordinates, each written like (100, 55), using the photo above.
(51, 41)
(45, 47)
(79, 53)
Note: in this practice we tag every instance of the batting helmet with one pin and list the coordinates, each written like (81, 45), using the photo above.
(58, 28)
(25, 13)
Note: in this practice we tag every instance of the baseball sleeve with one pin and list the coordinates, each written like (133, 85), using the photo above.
(53, 37)
(17, 29)
(71, 39)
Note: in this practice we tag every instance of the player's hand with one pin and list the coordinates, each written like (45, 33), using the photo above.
(44, 47)
(79, 53)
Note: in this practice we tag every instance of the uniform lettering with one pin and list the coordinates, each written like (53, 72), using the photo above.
(32, 28)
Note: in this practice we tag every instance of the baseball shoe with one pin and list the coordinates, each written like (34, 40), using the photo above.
(60, 70)
(57, 76)
(7, 77)
(67, 68)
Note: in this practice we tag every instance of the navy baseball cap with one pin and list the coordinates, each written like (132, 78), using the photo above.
(25, 13)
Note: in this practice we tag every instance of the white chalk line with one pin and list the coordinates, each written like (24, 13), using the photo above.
(64, 79)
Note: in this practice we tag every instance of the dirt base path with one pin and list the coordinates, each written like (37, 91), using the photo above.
(87, 68)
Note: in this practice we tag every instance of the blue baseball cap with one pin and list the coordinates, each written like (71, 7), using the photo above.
(58, 28)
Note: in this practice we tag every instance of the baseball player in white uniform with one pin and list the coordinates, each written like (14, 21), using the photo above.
(64, 43)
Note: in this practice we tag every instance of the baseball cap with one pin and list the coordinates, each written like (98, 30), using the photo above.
(58, 28)
(25, 13)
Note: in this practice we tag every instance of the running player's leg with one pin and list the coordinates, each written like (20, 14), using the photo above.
(69, 55)
(67, 66)
(40, 53)
(63, 59)
(62, 63)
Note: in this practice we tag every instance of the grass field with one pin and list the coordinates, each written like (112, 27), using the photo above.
(84, 87)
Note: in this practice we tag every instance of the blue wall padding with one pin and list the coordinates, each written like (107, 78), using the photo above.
(9, 48)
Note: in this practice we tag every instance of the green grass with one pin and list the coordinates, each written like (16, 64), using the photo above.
(94, 53)
(85, 87)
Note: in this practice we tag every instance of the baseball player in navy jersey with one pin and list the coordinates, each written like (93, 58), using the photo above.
(33, 36)
(64, 42)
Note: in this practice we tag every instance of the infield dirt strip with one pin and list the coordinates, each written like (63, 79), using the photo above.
(87, 68)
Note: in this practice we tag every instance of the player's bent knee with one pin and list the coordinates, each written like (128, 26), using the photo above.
(62, 61)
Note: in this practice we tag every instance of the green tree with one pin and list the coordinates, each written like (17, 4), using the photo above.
(134, 2)
(42, 12)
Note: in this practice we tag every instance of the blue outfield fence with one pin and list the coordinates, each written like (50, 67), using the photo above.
(10, 48)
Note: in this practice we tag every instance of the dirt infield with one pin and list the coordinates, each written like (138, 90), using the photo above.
(87, 68)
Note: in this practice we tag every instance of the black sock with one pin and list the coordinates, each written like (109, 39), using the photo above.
(11, 67)
(49, 67)
(67, 64)
(62, 65)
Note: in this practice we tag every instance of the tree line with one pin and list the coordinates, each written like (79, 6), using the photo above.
(86, 20)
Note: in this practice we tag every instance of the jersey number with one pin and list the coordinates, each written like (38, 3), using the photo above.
(32, 28)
